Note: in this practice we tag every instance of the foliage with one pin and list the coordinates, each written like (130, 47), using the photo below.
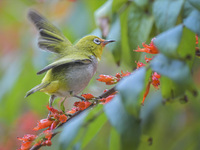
(121, 123)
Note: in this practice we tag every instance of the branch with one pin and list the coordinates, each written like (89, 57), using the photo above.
(104, 95)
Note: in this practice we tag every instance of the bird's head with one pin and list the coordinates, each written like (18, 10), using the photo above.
(93, 44)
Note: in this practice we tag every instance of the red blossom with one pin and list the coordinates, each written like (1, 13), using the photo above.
(139, 64)
(107, 99)
(87, 96)
(54, 125)
(27, 141)
(63, 118)
(155, 80)
(82, 105)
(44, 123)
(27, 138)
(197, 39)
(48, 134)
(125, 74)
(151, 48)
(48, 143)
(108, 79)
(73, 110)
(146, 92)
(147, 59)
(53, 110)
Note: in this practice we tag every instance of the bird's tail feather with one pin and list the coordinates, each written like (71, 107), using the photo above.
(36, 88)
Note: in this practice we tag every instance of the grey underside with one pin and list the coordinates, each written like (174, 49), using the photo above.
(76, 75)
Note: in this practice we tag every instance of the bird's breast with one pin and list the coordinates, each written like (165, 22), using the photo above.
(75, 77)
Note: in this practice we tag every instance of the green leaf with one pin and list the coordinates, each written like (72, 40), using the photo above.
(130, 89)
(166, 13)
(83, 129)
(168, 41)
(126, 125)
(139, 28)
(116, 4)
(192, 22)
(114, 140)
(186, 48)
(142, 3)
(176, 70)
(96, 119)
(187, 9)
(170, 89)
(195, 3)
(126, 51)
(115, 33)
(105, 11)
(70, 130)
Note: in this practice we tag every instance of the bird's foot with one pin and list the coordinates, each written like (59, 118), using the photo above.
(80, 97)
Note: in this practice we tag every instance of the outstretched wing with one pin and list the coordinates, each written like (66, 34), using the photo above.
(66, 60)
(51, 38)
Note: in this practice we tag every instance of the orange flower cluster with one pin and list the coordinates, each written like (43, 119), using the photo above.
(139, 64)
(87, 96)
(197, 45)
(27, 141)
(80, 105)
(154, 80)
(50, 123)
(151, 48)
(107, 99)
(109, 80)
(197, 39)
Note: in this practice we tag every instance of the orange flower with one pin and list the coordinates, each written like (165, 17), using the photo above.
(197, 39)
(27, 138)
(48, 134)
(151, 48)
(63, 118)
(87, 96)
(82, 105)
(139, 64)
(146, 92)
(73, 110)
(108, 79)
(155, 80)
(53, 110)
(44, 123)
(107, 99)
(47, 143)
(125, 74)
(147, 59)
(27, 141)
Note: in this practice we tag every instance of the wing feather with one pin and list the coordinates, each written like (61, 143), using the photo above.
(65, 60)
(51, 38)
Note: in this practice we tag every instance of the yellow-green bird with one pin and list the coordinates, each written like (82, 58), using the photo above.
(76, 64)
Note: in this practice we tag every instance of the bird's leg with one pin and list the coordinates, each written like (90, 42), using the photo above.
(51, 99)
(79, 97)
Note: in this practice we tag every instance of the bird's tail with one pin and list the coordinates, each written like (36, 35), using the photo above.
(36, 88)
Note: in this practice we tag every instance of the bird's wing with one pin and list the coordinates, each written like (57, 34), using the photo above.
(66, 60)
(51, 38)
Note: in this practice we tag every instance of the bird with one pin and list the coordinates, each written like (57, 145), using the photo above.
(75, 64)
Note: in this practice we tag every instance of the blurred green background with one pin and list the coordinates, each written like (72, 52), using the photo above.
(173, 126)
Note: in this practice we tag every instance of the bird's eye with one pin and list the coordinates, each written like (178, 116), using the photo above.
(97, 41)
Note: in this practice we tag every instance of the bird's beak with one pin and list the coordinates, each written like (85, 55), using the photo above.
(105, 42)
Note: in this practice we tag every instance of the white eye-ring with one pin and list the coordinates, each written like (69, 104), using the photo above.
(97, 41)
